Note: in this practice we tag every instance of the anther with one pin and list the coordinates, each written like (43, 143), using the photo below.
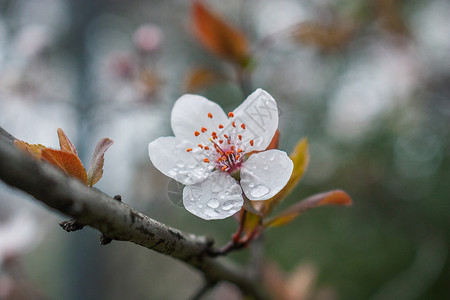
(220, 126)
(243, 126)
(188, 149)
(206, 148)
(200, 145)
(206, 160)
(220, 141)
(230, 115)
(239, 137)
(224, 168)
(251, 142)
(204, 129)
(210, 115)
(233, 124)
(237, 156)
(226, 136)
(239, 150)
(197, 133)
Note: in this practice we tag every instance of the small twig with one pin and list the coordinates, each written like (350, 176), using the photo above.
(104, 240)
(71, 225)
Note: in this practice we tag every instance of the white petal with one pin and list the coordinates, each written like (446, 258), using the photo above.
(259, 113)
(169, 155)
(190, 114)
(218, 197)
(264, 174)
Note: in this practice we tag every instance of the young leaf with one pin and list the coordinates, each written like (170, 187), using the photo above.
(35, 150)
(218, 36)
(251, 222)
(335, 197)
(64, 143)
(300, 158)
(324, 37)
(200, 78)
(66, 161)
(95, 171)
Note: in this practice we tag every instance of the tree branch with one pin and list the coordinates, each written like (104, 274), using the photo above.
(114, 219)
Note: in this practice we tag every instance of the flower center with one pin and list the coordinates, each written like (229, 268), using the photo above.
(224, 147)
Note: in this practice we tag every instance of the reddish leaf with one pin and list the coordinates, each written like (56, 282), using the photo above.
(95, 171)
(66, 161)
(64, 143)
(218, 36)
(300, 158)
(274, 142)
(34, 150)
(200, 78)
(336, 197)
(324, 37)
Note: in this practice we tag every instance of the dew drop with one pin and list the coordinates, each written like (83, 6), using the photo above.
(251, 184)
(180, 164)
(265, 167)
(227, 205)
(259, 191)
(213, 203)
(211, 213)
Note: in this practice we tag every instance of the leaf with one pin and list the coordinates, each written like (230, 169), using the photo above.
(64, 143)
(35, 150)
(251, 222)
(95, 171)
(66, 161)
(335, 197)
(274, 142)
(300, 158)
(218, 36)
(200, 78)
(323, 36)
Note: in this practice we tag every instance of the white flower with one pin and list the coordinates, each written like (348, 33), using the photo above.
(210, 150)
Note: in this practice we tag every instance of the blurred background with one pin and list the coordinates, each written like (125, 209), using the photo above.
(368, 82)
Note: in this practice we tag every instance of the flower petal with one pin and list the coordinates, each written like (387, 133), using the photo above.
(259, 113)
(169, 155)
(218, 197)
(264, 174)
(190, 114)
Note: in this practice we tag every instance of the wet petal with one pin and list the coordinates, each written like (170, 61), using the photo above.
(192, 112)
(259, 113)
(218, 197)
(169, 155)
(264, 174)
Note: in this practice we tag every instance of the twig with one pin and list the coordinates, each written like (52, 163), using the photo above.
(115, 219)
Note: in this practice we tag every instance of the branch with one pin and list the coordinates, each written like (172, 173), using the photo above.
(115, 219)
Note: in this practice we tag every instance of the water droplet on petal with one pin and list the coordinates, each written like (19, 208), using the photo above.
(213, 203)
(211, 213)
(259, 191)
(227, 205)
(251, 184)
